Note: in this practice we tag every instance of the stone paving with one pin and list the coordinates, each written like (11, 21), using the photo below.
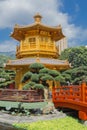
(10, 119)
(6, 120)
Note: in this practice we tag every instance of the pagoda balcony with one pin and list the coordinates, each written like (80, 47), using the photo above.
(28, 50)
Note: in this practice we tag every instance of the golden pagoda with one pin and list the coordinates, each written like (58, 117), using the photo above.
(37, 43)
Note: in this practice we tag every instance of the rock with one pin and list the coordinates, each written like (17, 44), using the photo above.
(49, 108)
(84, 122)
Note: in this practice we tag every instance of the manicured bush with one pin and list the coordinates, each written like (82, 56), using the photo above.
(35, 78)
(59, 78)
(29, 85)
(46, 77)
(26, 77)
(35, 67)
(54, 73)
(44, 70)
(39, 86)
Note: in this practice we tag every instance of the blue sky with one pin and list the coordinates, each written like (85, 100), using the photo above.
(77, 9)
(71, 14)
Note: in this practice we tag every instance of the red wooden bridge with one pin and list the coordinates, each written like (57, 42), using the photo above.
(74, 97)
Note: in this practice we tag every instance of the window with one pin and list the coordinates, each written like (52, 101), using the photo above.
(32, 39)
(44, 39)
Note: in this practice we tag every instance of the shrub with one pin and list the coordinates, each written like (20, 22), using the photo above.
(35, 78)
(36, 66)
(47, 77)
(29, 85)
(39, 86)
(59, 78)
(54, 73)
(44, 70)
(26, 77)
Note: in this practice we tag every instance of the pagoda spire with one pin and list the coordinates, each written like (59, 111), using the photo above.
(37, 18)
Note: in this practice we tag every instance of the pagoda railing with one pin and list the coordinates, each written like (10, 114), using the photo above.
(33, 46)
(30, 49)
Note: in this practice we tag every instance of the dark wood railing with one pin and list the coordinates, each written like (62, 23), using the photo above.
(21, 95)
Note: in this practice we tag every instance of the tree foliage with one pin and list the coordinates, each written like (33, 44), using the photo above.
(39, 75)
(6, 77)
(35, 78)
(26, 77)
(35, 67)
(44, 70)
(47, 77)
(60, 78)
(77, 56)
(29, 85)
(54, 73)
(3, 60)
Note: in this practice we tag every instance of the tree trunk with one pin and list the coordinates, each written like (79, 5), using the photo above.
(46, 94)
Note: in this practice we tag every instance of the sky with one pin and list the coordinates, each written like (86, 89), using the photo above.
(71, 14)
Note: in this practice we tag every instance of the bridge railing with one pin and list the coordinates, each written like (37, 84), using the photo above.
(74, 97)
(72, 92)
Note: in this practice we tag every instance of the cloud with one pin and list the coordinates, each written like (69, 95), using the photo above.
(14, 11)
(7, 46)
(21, 12)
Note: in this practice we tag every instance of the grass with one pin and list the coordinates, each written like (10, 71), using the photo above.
(67, 123)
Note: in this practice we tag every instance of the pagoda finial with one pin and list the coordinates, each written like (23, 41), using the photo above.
(16, 25)
(37, 18)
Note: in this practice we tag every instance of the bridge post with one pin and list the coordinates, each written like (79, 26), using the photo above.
(83, 88)
(82, 115)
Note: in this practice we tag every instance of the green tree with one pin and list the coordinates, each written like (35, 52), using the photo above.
(3, 60)
(32, 75)
(76, 75)
(6, 78)
(77, 56)
(35, 67)
(40, 77)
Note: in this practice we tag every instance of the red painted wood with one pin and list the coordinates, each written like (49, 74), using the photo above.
(74, 97)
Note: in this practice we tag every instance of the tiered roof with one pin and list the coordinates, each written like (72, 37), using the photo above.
(20, 31)
(46, 61)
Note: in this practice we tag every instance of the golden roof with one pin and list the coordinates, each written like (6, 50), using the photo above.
(20, 31)
(46, 61)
